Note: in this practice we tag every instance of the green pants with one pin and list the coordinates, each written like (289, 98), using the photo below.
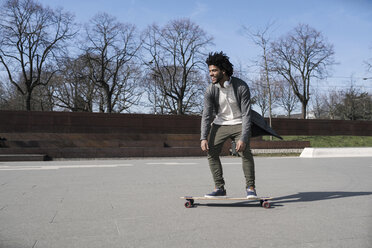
(218, 136)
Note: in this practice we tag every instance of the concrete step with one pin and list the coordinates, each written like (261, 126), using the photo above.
(335, 152)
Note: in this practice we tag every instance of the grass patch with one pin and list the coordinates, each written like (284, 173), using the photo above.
(331, 141)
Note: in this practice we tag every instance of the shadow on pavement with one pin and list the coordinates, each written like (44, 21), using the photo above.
(318, 196)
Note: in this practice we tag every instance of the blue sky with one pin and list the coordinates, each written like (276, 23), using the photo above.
(347, 24)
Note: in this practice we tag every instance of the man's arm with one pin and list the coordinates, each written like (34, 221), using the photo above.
(245, 103)
(240, 146)
(207, 116)
(204, 145)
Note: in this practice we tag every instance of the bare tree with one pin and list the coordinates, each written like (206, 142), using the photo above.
(43, 95)
(354, 105)
(128, 93)
(73, 88)
(3, 95)
(286, 98)
(298, 57)
(111, 49)
(31, 37)
(261, 38)
(10, 97)
(346, 104)
(260, 94)
(176, 54)
(156, 99)
(330, 102)
(240, 71)
(317, 105)
(325, 105)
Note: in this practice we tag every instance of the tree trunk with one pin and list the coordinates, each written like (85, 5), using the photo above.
(304, 104)
(179, 107)
(28, 101)
(109, 105)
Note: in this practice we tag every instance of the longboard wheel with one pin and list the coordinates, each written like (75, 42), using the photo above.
(188, 204)
(266, 204)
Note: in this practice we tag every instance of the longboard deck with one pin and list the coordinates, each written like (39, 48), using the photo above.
(226, 198)
(190, 200)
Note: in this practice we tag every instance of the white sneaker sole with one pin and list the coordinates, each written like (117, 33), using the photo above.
(208, 196)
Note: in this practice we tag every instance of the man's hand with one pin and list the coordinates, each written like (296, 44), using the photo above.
(204, 145)
(240, 146)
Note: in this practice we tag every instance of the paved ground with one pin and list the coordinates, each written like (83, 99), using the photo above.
(135, 203)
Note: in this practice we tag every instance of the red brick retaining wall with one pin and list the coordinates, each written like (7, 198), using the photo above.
(68, 122)
(89, 135)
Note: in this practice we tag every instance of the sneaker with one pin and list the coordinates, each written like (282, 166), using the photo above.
(216, 193)
(251, 194)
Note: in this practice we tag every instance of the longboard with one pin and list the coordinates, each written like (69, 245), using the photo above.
(264, 201)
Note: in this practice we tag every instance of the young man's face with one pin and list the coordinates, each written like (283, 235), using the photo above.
(216, 74)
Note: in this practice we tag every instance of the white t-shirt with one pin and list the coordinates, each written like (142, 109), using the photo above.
(228, 111)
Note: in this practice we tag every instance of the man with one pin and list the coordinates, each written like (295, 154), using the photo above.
(227, 114)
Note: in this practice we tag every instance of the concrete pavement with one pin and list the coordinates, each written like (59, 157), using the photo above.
(320, 202)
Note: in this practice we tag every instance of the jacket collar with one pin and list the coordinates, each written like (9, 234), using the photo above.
(226, 84)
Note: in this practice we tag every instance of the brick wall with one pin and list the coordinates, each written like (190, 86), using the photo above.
(93, 135)
(67, 122)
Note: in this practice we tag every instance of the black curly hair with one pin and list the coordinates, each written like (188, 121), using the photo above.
(221, 61)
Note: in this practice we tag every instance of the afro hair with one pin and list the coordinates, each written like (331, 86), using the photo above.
(221, 61)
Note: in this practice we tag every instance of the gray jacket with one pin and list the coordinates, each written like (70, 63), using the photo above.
(253, 124)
